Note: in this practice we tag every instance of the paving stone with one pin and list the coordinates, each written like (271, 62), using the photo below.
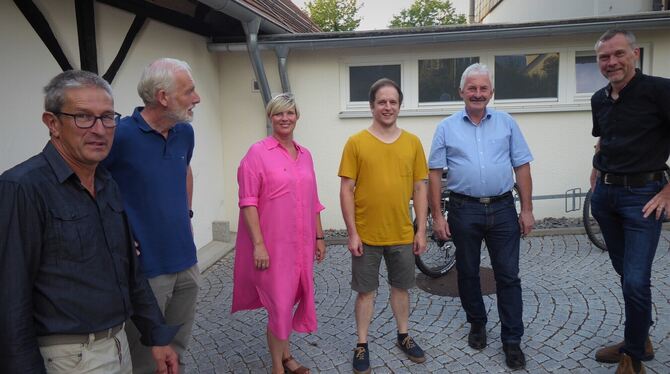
(572, 307)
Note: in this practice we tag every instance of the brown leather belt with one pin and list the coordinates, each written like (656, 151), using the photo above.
(631, 180)
(482, 200)
(59, 339)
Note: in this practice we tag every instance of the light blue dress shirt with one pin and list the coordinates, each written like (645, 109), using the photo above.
(480, 158)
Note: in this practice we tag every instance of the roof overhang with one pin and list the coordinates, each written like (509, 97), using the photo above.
(243, 13)
(456, 33)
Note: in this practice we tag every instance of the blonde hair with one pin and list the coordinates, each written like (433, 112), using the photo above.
(281, 103)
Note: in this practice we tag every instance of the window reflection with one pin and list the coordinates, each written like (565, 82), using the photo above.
(362, 77)
(439, 79)
(526, 76)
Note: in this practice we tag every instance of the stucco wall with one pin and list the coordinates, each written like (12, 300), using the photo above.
(230, 117)
(530, 11)
(26, 66)
(560, 141)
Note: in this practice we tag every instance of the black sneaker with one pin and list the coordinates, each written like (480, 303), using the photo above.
(411, 349)
(361, 360)
(514, 357)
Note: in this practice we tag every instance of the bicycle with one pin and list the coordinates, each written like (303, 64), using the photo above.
(440, 255)
(591, 225)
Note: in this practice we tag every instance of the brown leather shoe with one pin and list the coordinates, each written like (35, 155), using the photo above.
(612, 354)
(626, 366)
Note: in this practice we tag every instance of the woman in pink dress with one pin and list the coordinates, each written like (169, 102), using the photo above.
(279, 234)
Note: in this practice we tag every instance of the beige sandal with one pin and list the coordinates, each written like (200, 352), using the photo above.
(299, 370)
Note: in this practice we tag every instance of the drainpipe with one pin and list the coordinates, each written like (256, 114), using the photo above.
(282, 57)
(471, 15)
(656, 5)
(251, 31)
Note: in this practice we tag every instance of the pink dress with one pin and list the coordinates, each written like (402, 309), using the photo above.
(284, 192)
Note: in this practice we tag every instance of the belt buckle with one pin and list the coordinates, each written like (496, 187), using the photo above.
(485, 200)
(606, 177)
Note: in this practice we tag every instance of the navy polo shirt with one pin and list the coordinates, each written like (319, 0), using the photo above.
(151, 173)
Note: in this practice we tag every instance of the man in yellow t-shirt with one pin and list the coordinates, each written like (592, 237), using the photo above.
(382, 168)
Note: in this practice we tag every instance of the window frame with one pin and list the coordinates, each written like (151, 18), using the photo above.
(441, 104)
(567, 97)
(345, 83)
(586, 96)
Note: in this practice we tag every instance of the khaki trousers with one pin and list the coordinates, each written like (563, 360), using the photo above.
(103, 356)
(176, 295)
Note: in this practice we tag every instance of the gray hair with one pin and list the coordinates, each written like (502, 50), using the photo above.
(54, 92)
(475, 69)
(159, 75)
(281, 103)
(609, 34)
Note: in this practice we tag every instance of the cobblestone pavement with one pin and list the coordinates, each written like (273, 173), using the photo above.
(572, 306)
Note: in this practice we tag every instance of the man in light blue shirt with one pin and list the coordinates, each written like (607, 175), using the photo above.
(482, 149)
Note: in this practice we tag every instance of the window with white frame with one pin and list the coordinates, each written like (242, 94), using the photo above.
(530, 80)
(439, 79)
(588, 77)
(362, 77)
(526, 76)
(587, 74)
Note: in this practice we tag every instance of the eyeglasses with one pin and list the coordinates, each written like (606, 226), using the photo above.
(86, 121)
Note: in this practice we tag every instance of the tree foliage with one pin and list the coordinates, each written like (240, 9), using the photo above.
(428, 13)
(334, 15)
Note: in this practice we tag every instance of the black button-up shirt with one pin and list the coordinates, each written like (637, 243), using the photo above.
(67, 263)
(634, 130)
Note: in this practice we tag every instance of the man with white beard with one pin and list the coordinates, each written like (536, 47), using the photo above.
(150, 161)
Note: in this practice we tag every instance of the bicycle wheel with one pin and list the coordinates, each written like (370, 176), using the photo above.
(440, 255)
(591, 225)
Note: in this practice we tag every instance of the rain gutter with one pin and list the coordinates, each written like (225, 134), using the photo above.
(245, 14)
(319, 41)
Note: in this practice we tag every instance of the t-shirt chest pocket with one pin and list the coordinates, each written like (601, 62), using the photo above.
(68, 233)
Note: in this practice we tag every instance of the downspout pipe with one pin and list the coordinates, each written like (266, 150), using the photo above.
(251, 31)
(282, 59)
(471, 14)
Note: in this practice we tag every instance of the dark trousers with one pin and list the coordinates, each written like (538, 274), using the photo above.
(631, 243)
(497, 224)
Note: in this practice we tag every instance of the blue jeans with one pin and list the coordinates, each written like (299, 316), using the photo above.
(631, 243)
(497, 224)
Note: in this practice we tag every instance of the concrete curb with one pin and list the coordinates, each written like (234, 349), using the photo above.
(212, 252)
(574, 230)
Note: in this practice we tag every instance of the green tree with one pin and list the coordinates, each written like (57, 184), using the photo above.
(334, 15)
(427, 13)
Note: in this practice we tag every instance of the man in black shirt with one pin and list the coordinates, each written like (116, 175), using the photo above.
(631, 117)
(67, 266)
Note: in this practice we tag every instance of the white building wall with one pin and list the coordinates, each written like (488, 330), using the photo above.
(26, 66)
(512, 11)
(561, 142)
(230, 117)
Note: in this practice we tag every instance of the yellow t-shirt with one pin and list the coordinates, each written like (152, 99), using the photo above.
(384, 175)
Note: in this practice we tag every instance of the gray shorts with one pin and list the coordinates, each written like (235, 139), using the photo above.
(399, 264)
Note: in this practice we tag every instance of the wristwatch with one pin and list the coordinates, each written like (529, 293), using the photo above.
(190, 213)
